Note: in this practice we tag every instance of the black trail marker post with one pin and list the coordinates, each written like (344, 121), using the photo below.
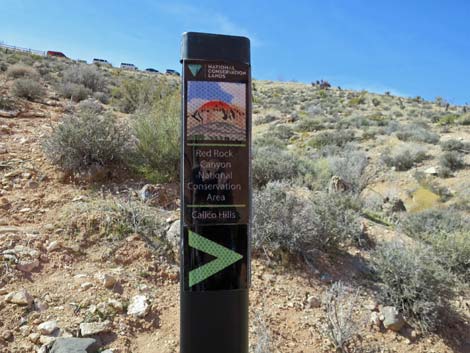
(215, 193)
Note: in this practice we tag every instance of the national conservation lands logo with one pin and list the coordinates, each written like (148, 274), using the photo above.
(195, 68)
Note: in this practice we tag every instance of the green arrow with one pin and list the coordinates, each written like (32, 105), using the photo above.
(224, 258)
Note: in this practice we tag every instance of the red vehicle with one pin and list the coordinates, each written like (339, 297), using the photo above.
(56, 54)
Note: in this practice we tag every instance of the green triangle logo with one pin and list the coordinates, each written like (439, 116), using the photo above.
(194, 68)
(224, 257)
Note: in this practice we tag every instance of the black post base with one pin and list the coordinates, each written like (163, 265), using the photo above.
(214, 322)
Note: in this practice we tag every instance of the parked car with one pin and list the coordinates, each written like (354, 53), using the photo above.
(172, 72)
(81, 61)
(101, 62)
(152, 70)
(56, 54)
(128, 66)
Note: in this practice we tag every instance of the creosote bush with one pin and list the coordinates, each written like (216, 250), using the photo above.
(21, 71)
(158, 131)
(413, 282)
(417, 133)
(404, 157)
(86, 139)
(451, 160)
(340, 326)
(74, 91)
(28, 88)
(291, 219)
(338, 138)
(86, 75)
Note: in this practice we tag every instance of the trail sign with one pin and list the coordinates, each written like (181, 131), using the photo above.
(215, 193)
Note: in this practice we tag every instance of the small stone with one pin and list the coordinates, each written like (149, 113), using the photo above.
(21, 297)
(27, 266)
(108, 281)
(4, 203)
(86, 285)
(48, 327)
(46, 339)
(7, 335)
(138, 306)
(74, 345)
(393, 320)
(34, 337)
(32, 184)
(40, 305)
(173, 234)
(94, 328)
(116, 305)
(53, 245)
(313, 302)
(431, 171)
(374, 320)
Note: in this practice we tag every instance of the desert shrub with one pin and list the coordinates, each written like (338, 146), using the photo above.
(133, 94)
(157, 131)
(447, 231)
(271, 163)
(265, 119)
(285, 219)
(74, 91)
(417, 133)
(21, 71)
(282, 132)
(451, 160)
(412, 281)
(28, 88)
(85, 139)
(404, 157)
(263, 337)
(350, 165)
(375, 102)
(339, 325)
(6, 103)
(338, 138)
(357, 100)
(102, 97)
(90, 105)
(452, 145)
(268, 139)
(309, 124)
(114, 218)
(86, 75)
(434, 221)
(448, 119)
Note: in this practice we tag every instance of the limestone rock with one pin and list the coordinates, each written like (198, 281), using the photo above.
(48, 327)
(94, 328)
(393, 320)
(138, 306)
(21, 297)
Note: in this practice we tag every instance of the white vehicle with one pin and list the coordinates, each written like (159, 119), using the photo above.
(128, 66)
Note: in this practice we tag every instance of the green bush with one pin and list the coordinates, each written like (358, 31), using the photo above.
(74, 91)
(133, 94)
(412, 281)
(7, 104)
(404, 157)
(158, 132)
(28, 88)
(85, 139)
(350, 166)
(337, 138)
(417, 133)
(287, 219)
(86, 75)
(452, 145)
(448, 232)
(274, 163)
(451, 160)
(21, 71)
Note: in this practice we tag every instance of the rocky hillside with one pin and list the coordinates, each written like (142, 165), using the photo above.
(365, 195)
